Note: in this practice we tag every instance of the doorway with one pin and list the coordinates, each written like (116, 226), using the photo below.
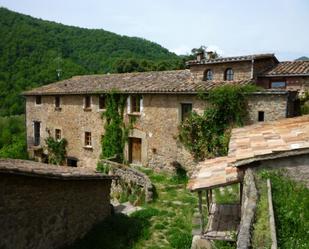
(37, 133)
(135, 150)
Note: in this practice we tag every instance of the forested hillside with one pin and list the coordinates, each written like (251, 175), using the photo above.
(31, 50)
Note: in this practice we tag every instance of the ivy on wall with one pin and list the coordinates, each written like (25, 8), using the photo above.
(56, 150)
(207, 135)
(116, 130)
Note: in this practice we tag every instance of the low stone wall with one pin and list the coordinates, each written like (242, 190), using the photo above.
(46, 206)
(249, 202)
(128, 175)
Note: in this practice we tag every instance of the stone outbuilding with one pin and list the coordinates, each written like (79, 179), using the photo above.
(282, 144)
(45, 206)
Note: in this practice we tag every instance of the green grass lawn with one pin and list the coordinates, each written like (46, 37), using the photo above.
(290, 202)
(165, 223)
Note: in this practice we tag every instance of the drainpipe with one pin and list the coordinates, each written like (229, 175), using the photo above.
(252, 67)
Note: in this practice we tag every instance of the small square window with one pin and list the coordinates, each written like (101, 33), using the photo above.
(88, 142)
(57, 101)
(261, 116)
(87, 102)
(102, 103)
(38, 100)
(186, 109)
(57, 134)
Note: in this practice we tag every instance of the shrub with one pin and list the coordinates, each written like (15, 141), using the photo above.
(56, 150)
(207, 135)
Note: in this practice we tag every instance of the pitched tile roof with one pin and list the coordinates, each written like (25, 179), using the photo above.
(269, 140)
(231, 59)
(177, 81)
(252, 143)
(289, 68)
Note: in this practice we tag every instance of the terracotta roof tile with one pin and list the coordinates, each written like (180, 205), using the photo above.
(257, 142)
(231, 59)
(177, 81)
(289, 68)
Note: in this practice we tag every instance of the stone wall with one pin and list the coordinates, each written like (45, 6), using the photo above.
(156, 125)
(48, 207)
(248, 207)
(274, 106)
(295, 83)
(242, 70)
(72, 120)
(130, 175)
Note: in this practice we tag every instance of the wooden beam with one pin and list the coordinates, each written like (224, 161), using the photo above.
(200, 207)
(271, 217)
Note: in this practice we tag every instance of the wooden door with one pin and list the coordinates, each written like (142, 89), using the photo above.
(135, 150)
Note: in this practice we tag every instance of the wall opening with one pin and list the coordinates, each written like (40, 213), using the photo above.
(261, 116)
(72, 161)
(135, 150)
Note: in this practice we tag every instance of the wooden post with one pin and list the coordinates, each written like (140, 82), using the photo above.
(241, 187)
(200, 207)
(210, 198)
(207, 200)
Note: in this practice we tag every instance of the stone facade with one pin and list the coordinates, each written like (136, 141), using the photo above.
(41, 207)
(295, 83)
(242, 70)
(156, 125)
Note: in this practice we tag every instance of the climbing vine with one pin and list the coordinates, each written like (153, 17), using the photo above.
(116, 130)
(207, 135)
(56, 150)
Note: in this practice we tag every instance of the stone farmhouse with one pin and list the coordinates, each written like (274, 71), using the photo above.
(159, 101)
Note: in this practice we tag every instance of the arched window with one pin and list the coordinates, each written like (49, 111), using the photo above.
(229, 74)
(208, 75)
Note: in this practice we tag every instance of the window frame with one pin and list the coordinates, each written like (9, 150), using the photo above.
(36, 100)
(278, 82)
(86, 106)
(229, 74)
(87, 140)
(57, 104)
(182, 116)
(208, 75)
(130, 103)
(60, 132)
(99, 101)
(37, 131)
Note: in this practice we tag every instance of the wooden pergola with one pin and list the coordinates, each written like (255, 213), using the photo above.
(223, 219)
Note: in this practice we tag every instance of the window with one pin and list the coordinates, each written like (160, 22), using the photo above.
(278, 84)
(38, 100)
(186, 109)
(208, 75)
(229, 74)
(88, 139)
(37, 132)
(57, 134)
(261, 116)
(57, 102)
(135, 103)
(102, 102)
(72, 161)
(87, 102)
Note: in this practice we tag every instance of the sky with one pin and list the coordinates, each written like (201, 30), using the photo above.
(231, 27)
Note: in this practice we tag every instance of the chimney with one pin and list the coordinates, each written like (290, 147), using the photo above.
(210, 55)
(200, 56)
